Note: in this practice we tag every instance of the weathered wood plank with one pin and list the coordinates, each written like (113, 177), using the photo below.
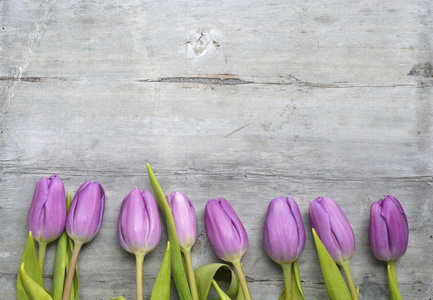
(243, 100)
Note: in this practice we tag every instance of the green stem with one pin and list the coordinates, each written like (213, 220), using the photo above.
(191, 276)
(393, 270)
(238, 266)
(41, 255)
(287, 272)
(71, 270)
(139, 258)
(392, 281)
(350, 281)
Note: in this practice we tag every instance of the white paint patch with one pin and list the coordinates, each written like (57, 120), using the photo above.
(203, 44)
(33, 39)
(4, 254)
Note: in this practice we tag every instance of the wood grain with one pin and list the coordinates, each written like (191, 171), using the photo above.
(242, 100)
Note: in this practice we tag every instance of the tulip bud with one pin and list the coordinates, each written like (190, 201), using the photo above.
(389, 231)
(184, 219)
(86, 212)
(333, 229)
(47, 214)
(284, 232)
(139, 226)
(225, 231)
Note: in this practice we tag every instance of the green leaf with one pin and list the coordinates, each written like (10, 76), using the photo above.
(161, 287)
(61, 261)
(32, 269)
(296, 282)
(118, 298)
(33, 289)
(75, 288)
(60, 267)
(220, 292)
(297, 292)
(240, 295)
(65, 246)
(334, 282)
(178, 270)
(394, 293)
(205, 274)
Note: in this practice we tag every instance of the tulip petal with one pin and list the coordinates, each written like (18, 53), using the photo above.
(320, 222)
(333, 228)
(154, 222)
(54, 212)
(225, 231)
(86, 212)
(378, 233)
(47, 213)
(341, 229)
(225, 240)
(281, 235)
(39, 198)
(240, 229)
(300, 224)
(389, 230)
(396, 224)
(139, 226)
(120, 236)
(134, 221)
(184, 219)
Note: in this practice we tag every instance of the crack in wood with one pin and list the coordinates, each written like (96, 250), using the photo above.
(236, 130)
(200, 80)
(224, 174)
(225, 79)
(295, 81)
(28, 79)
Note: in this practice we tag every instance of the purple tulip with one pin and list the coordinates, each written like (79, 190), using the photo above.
(389, 231)
(139, 226)
(333, 229)
(86, 212)
(184, 219)
(284, 232)
(225, 231)
(47, 214)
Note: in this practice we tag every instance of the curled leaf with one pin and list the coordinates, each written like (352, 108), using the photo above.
(205, 274)
(33, 289)
(220, 292)
(32, 268)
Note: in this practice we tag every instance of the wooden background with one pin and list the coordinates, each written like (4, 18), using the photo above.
(246, 100)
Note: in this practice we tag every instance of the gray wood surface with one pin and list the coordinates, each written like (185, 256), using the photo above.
(246, 100)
